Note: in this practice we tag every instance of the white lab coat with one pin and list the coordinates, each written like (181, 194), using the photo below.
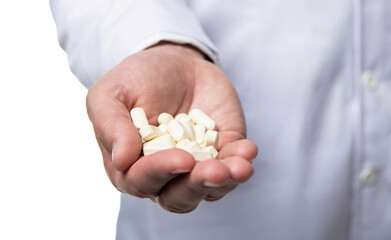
(314, 78)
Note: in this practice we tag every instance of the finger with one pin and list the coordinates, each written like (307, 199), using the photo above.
(240, 171)
(243, 148)
(113, 127)
(150, 173)
(220, 192)
(183, 194)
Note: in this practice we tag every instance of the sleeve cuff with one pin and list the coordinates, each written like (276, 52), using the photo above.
(176, 38)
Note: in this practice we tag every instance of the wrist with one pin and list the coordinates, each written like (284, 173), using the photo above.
(184, 49)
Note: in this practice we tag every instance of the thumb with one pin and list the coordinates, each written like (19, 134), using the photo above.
(113, 128)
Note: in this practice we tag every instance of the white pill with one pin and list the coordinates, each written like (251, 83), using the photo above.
(201, 156)
(176, 130)
(163, 127)
(211, 138)
(187, 124)
(162, 140)
(184, 118)
(188, 146)
(193, 146)
(199, 131)
(199, 116)
(149, 132)
(164, 118)
(147, 150)
(182, 144)
(189, 131)
(139, 118)
(212, 150)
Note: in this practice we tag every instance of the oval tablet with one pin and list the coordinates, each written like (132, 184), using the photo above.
(149, 132)
(199, 116)
(211, 138)
(139, 118)
(199, 130)
(176, 130)
(164, 118)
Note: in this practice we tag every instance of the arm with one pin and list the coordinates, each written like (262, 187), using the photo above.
(97, 35)
(163, 78)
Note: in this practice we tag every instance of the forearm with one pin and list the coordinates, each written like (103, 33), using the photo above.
(98, 35)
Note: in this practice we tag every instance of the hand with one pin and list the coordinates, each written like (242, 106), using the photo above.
(169, 78)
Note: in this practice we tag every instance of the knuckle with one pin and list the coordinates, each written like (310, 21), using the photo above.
(119, 189)
(220, 193)
(126, 187)
(137, 192)
(176, 207)
(212, 198)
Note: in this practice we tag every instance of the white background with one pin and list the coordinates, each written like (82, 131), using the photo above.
(52, 180)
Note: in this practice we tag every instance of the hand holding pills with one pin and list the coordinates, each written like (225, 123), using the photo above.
(180, 133)
(168, 81)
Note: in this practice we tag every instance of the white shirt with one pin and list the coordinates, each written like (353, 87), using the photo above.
(314, 78)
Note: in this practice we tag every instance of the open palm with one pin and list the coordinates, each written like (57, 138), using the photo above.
(174, 79)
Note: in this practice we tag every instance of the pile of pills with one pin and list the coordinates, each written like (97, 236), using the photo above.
(195, 133)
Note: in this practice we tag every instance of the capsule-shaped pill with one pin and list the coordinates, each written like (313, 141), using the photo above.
(163, 127)
(193, 146)
(212, 150)
(199, 116)
(201, 156)
(149, 132)
(189, 131)
(164, 118)
(182, 144)
(150, 149)
(139, 118)
(211, 138)
(184, 118)
(176, 130)
(166, 139)
(187, 124)
(199, 132)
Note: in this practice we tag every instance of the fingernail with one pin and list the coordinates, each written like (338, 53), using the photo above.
(230, 182)
(155, 199)
(112, 152)
(211, 185)
(179, 171)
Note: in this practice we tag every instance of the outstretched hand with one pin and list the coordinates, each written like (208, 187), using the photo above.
(169, 78)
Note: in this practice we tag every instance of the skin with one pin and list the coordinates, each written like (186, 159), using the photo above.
(169, 78)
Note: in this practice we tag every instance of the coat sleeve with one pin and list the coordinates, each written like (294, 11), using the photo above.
(98, 34)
